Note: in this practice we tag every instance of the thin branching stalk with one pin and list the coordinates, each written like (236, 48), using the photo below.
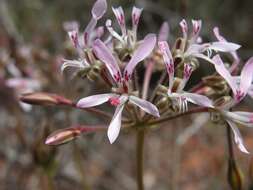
(139, 158)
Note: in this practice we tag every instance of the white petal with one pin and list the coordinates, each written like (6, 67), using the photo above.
(222, 70)
(198, 99)
(115, 125)
(246, 76)
(94, 100)
(224, 46)
(145, 105)
(238, 137)
(73, 64)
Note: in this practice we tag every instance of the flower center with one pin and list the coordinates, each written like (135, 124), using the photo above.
(114, 101)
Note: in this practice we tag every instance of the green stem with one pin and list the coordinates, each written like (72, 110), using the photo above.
(139, 158)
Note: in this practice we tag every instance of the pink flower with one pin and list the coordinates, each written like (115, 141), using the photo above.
(119, 101)
(84, 42)
(240, 85)
(199, 50)
(179, 97)
(121, 80)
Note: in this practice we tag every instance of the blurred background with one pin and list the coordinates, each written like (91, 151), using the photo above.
(179, 155)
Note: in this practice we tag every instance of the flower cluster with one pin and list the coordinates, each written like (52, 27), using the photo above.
(115, 58)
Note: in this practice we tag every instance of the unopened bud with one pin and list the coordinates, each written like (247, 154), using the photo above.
(235, 178)
(45, 99)
(63, 136)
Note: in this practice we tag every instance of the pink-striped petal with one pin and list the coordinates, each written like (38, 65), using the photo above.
(222, 70)
(115, 125)
(143, 51)
(105, 55)
(164, 32)
(238, 137)
(246, 76)
(168, 60)
(145, 105)
(184, 27)
(99, 8)
(94, 100)
(119, 13)
(196, 27)
(136, 14)
(198, 99)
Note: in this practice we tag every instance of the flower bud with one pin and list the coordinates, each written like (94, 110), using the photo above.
(45, 99)
(63, 136)
(235, 178)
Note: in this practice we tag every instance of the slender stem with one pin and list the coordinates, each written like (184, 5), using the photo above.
(147, 78)
(161, 80)
(139, 158)
(230, 144)
(167, 118)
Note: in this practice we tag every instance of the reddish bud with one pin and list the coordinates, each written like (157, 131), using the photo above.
(63, 136)
(45, 99)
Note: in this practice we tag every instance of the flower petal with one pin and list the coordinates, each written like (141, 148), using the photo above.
(164, 32)
(115, 125)
(99, 8)
(168, 60)
(238, 137)
(136, 14)
(145, 105)
(196, 27)
(105, 55)
(221, 69)
(243, 118)
(74, 64)
(224, 46)
(222, 39)
(94, 100)
(198, 99)
(184, 28)
(246, 76)
(143, 51)
(119, 13)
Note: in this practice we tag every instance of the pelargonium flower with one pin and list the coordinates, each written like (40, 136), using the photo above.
(84, 43)
(179, 97)
(192, 47)
(240, 85)
(127, 37)
(123, 95)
